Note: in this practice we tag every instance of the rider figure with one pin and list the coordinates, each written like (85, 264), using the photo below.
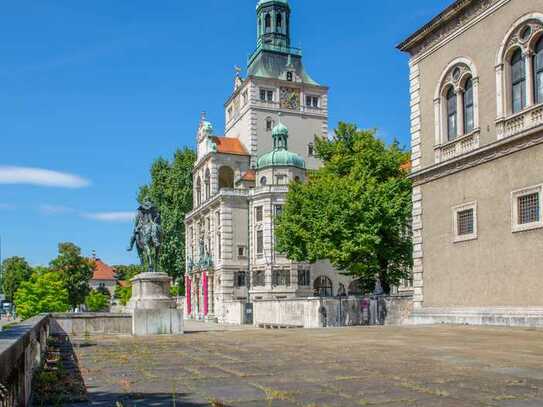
(147, 221)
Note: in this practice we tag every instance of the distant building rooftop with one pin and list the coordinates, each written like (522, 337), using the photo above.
(102, 271)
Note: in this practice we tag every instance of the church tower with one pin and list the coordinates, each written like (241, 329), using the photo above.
(276, 84)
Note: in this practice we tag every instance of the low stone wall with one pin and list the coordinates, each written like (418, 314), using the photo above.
(499, 316)
(21, 350)
(91, 324)
(232, 313)
(327, 312)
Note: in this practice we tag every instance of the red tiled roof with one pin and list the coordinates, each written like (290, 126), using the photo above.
(229, 145)
(249, 175)
(102, 271)
(406, 166)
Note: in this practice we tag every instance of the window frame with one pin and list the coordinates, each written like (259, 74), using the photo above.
(523, 81)
(267, 92)
(451, 94)
(515, 195)
(259, 214)
(259, 244)
(457, 238)
(538, 71)
(466, 106)
(312, 99)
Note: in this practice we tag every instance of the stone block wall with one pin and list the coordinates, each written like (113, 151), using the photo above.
(91, 324)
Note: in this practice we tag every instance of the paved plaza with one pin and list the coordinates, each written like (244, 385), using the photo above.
(416, 366)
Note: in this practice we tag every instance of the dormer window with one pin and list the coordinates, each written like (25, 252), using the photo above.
(267, 23)
(279, 21)
(266, 95)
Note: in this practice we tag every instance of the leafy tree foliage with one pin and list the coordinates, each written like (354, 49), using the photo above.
(354, 211)
(97, 301)
(75, 271)
(127, 272)
(171, 191)
(15, 271)
(43, 292)
(123, 294)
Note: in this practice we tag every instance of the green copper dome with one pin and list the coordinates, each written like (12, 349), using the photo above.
(280, 156)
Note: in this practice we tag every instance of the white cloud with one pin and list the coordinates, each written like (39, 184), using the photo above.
(110, 216)
(40, 177)
(55, 209)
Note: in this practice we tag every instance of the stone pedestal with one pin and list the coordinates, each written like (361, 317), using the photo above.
(154, 311)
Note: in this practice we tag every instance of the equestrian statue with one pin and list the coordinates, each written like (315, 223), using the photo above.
(147, 236)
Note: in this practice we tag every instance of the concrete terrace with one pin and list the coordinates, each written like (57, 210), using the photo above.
(438, 366)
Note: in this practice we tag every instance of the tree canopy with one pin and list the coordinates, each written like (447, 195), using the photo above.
(43, 292)
(75, 272)
(354, 211)
(170, 190)
(15, 271)
(96, 301)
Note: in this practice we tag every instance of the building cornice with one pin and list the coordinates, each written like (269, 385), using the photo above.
(455, 18)
(487, 153)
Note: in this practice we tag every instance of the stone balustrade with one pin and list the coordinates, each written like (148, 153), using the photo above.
(523, 121)
(458, 146)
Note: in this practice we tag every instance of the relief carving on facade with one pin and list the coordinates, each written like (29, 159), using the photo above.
(464, 11)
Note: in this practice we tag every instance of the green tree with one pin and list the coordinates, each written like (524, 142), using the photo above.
(354, 211)
(127, 272)
(170, 190)
(75, 271)
(15, 271)
(96, 301)
(43, 292)
(123, 294)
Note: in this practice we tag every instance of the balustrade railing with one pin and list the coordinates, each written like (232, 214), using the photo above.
(516, 124)
(457, 147)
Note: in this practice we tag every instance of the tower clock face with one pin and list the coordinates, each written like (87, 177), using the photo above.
(290, 98)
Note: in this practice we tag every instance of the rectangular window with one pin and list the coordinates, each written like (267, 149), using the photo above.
(310, 149)
(281, 278)
(259, 243)
(259, 214)
(245, 97)
(312, 101)
(259, 279)
(241, 252)
(266, 95)
(465, 222)
(469, 121)
(304, 278)
(239, 279)
(219, 246)
(278, 210)
(527, 209)
(280, 179)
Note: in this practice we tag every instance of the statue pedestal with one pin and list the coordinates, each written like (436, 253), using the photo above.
(154, 311)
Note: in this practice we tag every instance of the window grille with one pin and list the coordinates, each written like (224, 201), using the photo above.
(259, 278)
(528, 209)
(281, 278)
(465, 221)
(304, 278)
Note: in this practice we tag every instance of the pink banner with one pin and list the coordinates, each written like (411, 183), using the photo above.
(187, 293)
(204, 284)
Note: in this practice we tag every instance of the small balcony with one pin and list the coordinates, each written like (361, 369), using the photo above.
(527, 119)
(458, 146)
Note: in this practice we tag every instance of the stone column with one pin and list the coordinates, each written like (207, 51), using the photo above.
(528, 61)
(459, 111)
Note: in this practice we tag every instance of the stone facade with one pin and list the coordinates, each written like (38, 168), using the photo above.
(230, 242)
(477, 134)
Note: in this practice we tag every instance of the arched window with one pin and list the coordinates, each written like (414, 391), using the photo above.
(198, 191)
(269, 124)
(323, 287)
(538, 70)
(518, 81)
(279, 21)
(267, 23)
(226, 177)
(356, 288)
(207, 182)
(452, 114)
(263, 181)
(469, 116)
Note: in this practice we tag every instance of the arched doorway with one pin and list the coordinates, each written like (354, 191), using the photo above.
(226, 177)
(323, 287)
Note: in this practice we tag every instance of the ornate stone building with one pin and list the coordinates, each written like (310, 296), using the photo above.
(476, 73)
(241, 180)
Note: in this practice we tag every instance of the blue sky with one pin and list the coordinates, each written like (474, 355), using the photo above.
(92, 91)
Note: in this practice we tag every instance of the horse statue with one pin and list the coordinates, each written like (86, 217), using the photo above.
(147, 236)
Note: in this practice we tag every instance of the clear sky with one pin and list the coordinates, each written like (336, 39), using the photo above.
(92, 91)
